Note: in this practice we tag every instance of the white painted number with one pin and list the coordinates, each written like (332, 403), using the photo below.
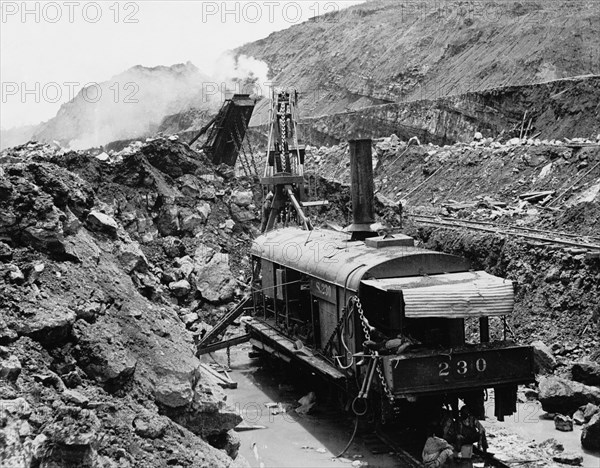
(462, 367)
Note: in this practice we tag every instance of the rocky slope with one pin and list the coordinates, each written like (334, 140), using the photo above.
(107, 265)
(388, 51)
(440, 71)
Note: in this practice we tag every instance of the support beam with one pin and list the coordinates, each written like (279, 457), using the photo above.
(223, 344)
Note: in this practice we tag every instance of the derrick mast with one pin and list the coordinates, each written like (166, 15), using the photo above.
(283, 177)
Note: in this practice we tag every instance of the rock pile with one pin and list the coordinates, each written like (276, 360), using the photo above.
(108, 266)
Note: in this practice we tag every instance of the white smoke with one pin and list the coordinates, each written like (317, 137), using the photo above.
(242, 75)
(134, 103)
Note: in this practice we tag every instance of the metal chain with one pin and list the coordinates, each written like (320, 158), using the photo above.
(367, 333)
(345, 315)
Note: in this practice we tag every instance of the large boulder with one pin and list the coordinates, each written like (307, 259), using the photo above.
(131, 257)
(214, 280)
(207, 415)
(563, 423)
(48, 321)
(101, 222)
(565, 396)
(14, 415)
(149, 425)
(589, 411)
(103, 354)
(174, 391)
(6, 253)
(10, 369)
(180, 288)
(568, 458)
(590, 435)
(544, 360)
(192, 223)
(242, 198)
(167, 220)
(586, 372)
(73, 436)
(243, 215)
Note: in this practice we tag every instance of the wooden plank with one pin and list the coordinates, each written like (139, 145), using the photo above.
(222, 380)
(315, 203)
(260, 345)
(225, 322)
(536, 195)
(282, 180)
(286, 346)
(222, 345)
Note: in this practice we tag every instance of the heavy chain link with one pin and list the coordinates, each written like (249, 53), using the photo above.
(367, 332)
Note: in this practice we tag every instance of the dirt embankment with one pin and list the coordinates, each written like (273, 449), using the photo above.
(483, 180)
(108, 264)
(557, 287)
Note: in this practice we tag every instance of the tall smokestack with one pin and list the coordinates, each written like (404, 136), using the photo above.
(362, 188)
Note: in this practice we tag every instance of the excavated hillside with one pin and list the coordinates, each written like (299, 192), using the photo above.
(441, 70)
(390, 51)
(109, 265)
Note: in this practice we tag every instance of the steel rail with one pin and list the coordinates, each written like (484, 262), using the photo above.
(409, 461)
(500, 230)
(511, 226)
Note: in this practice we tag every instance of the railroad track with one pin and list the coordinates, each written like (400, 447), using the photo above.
(489, 459)
(540, 235)
(408, 460)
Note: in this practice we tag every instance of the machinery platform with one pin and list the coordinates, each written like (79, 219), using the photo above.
(265, 337)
